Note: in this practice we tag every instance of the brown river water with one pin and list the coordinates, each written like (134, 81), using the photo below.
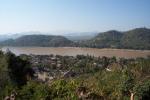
(73, 51)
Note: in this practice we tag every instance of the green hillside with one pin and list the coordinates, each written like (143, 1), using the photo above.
(38, 40)
(134, 39)
(138, 38)
(106, 39)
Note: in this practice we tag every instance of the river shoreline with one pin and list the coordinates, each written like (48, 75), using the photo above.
(73, 51)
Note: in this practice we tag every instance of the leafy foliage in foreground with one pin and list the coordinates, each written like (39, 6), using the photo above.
(127, 77)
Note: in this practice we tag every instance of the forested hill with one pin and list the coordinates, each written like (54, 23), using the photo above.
(38, 40)
(106, 39)
(138, 38)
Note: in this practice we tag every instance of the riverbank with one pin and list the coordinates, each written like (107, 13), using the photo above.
(73, 51)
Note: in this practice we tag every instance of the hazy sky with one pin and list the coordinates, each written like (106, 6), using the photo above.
(73, 15)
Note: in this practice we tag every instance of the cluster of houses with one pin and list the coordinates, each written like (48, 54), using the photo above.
(45, 60)
(48, 67)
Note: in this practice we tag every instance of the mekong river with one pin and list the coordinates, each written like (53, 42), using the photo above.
(73, 51)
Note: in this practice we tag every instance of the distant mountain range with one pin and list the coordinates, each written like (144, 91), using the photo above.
(4, 37)
(9, 36)
(138, 38)
(77, 36)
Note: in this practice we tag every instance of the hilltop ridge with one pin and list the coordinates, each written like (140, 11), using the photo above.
(138, 38)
